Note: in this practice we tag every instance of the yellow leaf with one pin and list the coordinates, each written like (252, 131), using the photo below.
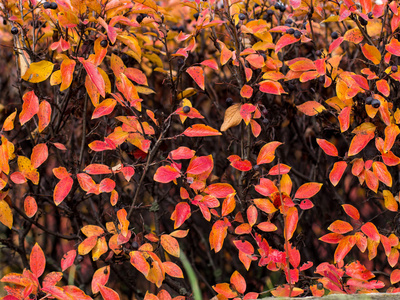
(6, 216)
(38, 71)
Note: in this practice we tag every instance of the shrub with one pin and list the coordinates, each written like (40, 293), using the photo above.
(199, 149)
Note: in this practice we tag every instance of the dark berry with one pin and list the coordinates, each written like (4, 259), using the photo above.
(265, 121)
(321, 79)
(139, 18)
(368, 100)
(270, 12)
(277, 5)
(256, 167)
(14, 30)
(174, 28)
(318, 53)
(196, 16)
(363, 22)
(229, 101)
(104, 43)
(264, 56)
(334, 35)
(181, 29)
(394, 69)
(290, 31)
(370, 15)
(242, 17)
(320, 286)
(125, 57)
(53, 5)
(135, 245)
(376, 103)
(297, 34)
(304, 25)
(78, 259)
(180, 62)
(288, 21)
(46, 5)
(282, 7)
(256, 5)
(186, 109)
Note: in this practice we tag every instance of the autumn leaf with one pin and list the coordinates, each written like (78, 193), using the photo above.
(68, 259)
(200, 130)
(308, 190)
(166, 174)
(337, 172)
(328, 147)
(311, 108)
(198, 75)
(170, 244)
(267, 153)
(38, 71)
(29, 108)
(30, 206)
(100, 278)
(6, 215)
(232, 117)
(44, 115)
(37, 261)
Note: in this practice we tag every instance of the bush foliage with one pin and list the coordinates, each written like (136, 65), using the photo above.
(199, 149)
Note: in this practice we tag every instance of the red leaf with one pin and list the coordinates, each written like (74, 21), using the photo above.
(308, 190)
(181, 214)
(271, 87)
(100, 278)
(371, 180)
(104, 108)
(239, 164)
(306, 204)
(210, 63)
(68, 259)
(266, 187)
(344, 247)
(285, 40)
(340, 227)
(382, 173)
(351, 211)
(244, 246)
(166, 174)
(337, 172)
(328, 147)
(364, 133)
(391, 133)
(106, 185)
(267, 153)
(246, 111)
(39, 155)
(199, 165)
(292, 217)
(393, 47)
(279, 169)
(331, 238)
(181, 153)
(37, 261)
(246, 91)
(383, 87)
(29, 108)
(200, 130)
(62, 189)
(94, 76)
(198, 75)
(228, 205)
(370, 231)
(344, 118)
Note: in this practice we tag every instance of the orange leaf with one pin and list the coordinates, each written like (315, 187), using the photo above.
(37, 261)
(331, 238)
(246, 91)
(364, 133)
(308, 190)
(371, 180)
(390, 201)
(271, 87)
(30, 107)
(311, 108)
(286, 291)
(106, 185)
(255, 60)
(96, 169)
(107, 293)
(337, 172)
(44, 115)
(225, 290)
(344, 247)
(170, 244)
(30, 206)
(344, 118)
(265, 205)
(172, 269)
(267, 153)
(395, 276)
(238, 282)
(391, 132)
(393, 47)
(67, 72)
(200, 165)
(266, 187)
(228, 205)
(217, 235)
(353, 35)
(9, 121)
(219, 190)
(383, 87)
(351, 211)
(328, 147)
(197, 74)
(104, 108)
(382, 173)
(139, 262)
(371, 53)
(370, 231)
(340, 227)
(200, 130)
